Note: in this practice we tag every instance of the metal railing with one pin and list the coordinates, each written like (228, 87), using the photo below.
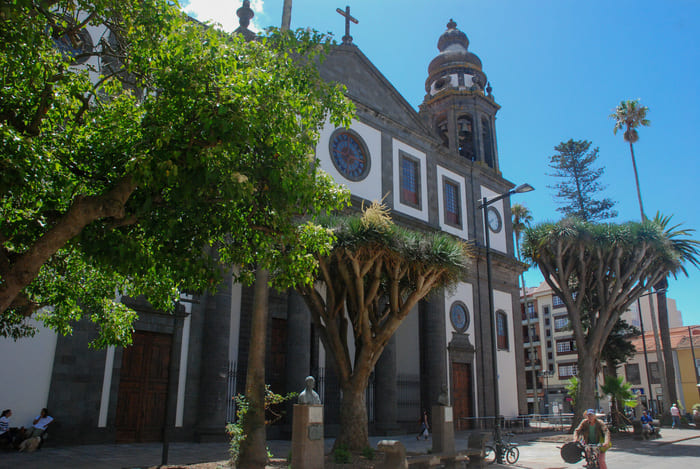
(522, 423)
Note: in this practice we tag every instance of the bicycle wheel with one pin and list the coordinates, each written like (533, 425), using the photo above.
(489, 454)
(512, 455)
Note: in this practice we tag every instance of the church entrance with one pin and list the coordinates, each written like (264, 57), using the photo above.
(143, 386)
(462, 394)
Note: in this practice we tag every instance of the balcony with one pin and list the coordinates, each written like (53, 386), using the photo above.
(535, 339)
(533, 317)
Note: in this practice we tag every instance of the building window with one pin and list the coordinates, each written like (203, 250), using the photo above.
(410, 181)
(655, 377)
(443, 132)
(502, 329)
(453, 207)
(564, 346)
(550, 355)
(488, 143)
(551, 367)
(546, 321)
(465, 137)
(561, 323)
(632, 373)
(459, 316)
(568, 370)
(549, 332)
(549, 343)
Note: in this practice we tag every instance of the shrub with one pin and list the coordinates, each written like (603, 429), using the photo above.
(341, 454)
(368, 452)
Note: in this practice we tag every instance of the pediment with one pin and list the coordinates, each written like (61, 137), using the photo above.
(366, 85)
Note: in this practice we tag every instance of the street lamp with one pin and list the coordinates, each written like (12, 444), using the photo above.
(494, 333)
(546, 375)
(644, 346)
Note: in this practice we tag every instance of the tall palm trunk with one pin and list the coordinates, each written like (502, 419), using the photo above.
(253, 454)
(664, 359)
(636, 180)
(670, 394)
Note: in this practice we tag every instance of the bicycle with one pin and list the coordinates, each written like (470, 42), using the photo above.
(509, 451)
(591, 452)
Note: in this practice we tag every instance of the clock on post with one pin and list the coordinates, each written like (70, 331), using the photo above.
(349, 154)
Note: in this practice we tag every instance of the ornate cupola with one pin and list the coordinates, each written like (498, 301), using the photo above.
(455, 105)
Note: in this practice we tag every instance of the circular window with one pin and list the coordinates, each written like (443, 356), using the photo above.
(349, 154)
(459, 316)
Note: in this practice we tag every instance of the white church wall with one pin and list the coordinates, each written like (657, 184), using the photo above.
(25, 367)
(498, 240)
(370, 188)
(507, 371)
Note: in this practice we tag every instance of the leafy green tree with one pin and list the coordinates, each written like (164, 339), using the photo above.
(185, 149)
(372, 279)
(618, 348)
(579, 183)
(602, 269)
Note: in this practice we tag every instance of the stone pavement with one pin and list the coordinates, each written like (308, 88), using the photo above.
(537, 451)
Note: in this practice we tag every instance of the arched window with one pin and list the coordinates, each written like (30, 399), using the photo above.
(465, 137)
(502, 330)
(443, 131)
(488, 142)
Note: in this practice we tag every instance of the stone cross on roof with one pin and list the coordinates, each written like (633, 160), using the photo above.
(347, 39)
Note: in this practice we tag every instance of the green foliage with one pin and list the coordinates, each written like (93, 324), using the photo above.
(235, 429)
(572, 389)
(368, 452)
(618, 347)
(188, 148)
(342, 455)
(578, 182)
(629, 115)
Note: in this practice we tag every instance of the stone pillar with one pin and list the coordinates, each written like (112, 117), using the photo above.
(385, 390)
(213, 398)
(298, 341)
(307, 436)
(433, 366)
(443, 430)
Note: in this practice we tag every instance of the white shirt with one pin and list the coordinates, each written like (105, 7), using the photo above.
(43, 422)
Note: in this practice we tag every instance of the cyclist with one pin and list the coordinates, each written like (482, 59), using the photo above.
(593, 431)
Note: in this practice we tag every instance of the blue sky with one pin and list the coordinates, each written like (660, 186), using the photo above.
(558, 68)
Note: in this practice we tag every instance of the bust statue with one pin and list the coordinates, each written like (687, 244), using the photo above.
(308, 396)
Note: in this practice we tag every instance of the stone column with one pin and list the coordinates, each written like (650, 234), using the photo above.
(433, 366)
(213, 398)
(385, 391)
(307, 436)
(298, 341)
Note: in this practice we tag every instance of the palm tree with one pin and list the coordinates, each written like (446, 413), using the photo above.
(621, 395)
(522, 217)
(630, 115)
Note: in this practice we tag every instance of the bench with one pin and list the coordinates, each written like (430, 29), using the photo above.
(473, 455)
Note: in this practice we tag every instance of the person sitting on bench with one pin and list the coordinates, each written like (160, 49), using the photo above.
(647, 424)
(40, 424)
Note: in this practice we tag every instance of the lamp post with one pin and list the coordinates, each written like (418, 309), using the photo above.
(546, 375)
(644, 346)
(485, 203)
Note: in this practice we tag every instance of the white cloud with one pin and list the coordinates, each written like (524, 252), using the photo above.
(222, 12)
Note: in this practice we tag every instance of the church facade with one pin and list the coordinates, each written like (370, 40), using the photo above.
(432, 168)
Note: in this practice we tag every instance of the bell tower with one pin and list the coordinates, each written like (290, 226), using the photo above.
(455, 106)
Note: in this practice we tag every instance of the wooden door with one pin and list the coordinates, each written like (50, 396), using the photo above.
(462, 394)
(143, 388)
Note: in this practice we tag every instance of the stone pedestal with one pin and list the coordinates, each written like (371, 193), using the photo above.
(307, 436)
(443, 430)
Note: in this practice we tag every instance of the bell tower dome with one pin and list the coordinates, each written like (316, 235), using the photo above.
(455, 105)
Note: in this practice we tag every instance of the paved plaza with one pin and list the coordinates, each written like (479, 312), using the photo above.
(677, 449)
